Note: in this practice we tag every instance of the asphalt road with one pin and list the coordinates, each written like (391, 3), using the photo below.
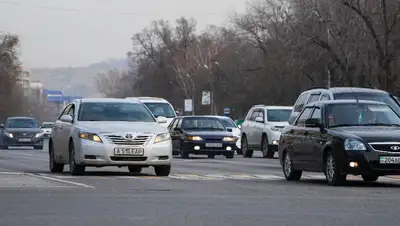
(199, 191)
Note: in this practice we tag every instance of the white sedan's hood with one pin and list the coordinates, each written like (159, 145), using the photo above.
(115, 127)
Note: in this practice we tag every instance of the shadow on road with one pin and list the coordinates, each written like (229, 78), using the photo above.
(349, 183)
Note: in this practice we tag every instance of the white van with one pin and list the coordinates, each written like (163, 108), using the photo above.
(158, 106)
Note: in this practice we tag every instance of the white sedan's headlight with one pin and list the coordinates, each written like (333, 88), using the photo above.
(90, 136)
(351, 144)
(162, 137)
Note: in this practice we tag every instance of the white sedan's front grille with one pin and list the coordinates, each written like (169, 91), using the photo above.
(137, 141)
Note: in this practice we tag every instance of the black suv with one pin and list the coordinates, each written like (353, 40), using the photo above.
(342, 93)
(341, 137)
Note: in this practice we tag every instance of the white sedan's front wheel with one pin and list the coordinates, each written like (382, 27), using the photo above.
(162, 171)
(73, 168)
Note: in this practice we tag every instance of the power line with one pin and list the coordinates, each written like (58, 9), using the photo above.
(93, 11)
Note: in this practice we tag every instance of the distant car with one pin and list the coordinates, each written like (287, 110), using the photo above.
(46, 128)
(202, 135)
(21, 131)
(97, 132)
(229, 123)
(343, 93)
(262, 128)
(341, 137)
(159, 107)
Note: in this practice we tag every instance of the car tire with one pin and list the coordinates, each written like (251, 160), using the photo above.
(369, 177)
(211, 156)
(38, 147)
(246, 152)
(266, 152)
(135, 169)
(239, 152)
(162, 171)
(332, 172)
(230, 155)
(290, 173)
(53, 165)
(74, 169)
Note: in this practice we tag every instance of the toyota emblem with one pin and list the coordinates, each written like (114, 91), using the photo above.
(128, 136)
(395, 148)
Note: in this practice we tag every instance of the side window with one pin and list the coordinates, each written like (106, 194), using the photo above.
(178, 124)
(325, 96)
(313, 98)
(71, 111)
(316, 114)
(256, 113)
(262, 113)
(303, 116)
(248, 117)
(300, 102)
(65, 111)
(172, 124)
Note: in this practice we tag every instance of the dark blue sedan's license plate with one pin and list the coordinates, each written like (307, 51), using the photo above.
(389, 159)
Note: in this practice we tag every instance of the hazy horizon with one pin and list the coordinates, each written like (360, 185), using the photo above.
(55, 33)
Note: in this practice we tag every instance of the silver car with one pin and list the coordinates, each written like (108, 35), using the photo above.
(109, 132)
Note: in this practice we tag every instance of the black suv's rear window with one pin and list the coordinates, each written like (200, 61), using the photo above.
(380, 97)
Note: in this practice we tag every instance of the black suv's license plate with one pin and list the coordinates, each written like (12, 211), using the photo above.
(389, 159)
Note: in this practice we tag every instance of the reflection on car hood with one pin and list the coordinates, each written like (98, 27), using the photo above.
(208, 133)
(112, 127)
(372, 133)
(28, 130)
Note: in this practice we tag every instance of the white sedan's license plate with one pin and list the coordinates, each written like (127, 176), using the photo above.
(128, 151)
(213, 145)
(24, 140)
(389, 160)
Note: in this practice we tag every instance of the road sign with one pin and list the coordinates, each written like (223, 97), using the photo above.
(188, 105)
(205, 98)
(227, 111)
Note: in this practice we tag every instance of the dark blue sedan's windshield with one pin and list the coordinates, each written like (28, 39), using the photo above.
(202, 123)
(21, 123)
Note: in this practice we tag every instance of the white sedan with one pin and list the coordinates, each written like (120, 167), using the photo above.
(102, 132)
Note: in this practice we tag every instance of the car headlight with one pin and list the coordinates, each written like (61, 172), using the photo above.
(39, 134)
(232, 139)
(90, 136)
(194, 138)
(351, 144)
(162, 137)
(10, 135)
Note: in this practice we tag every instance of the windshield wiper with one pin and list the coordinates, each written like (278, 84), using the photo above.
(343, 125)
(379, 124)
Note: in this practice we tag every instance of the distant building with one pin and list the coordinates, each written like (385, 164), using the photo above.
(37, 92)
(24, 80)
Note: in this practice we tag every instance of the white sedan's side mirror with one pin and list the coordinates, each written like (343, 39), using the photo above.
(66, 118)
(161, 119)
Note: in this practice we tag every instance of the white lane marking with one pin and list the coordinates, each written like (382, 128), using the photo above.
(60, 180)
(11, 173)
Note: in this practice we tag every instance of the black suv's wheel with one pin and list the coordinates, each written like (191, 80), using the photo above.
(246, 152)
(162, 171)
(73, 168)
(135, 169)
(332, 171)
(264, 148)
(53, 165)
(230, 155)
(370, 177)
(288, 169)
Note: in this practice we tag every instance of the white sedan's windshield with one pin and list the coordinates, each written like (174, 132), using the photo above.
(161, 109)
(130, 112)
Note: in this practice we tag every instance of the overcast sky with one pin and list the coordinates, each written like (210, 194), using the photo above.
(79, 32)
